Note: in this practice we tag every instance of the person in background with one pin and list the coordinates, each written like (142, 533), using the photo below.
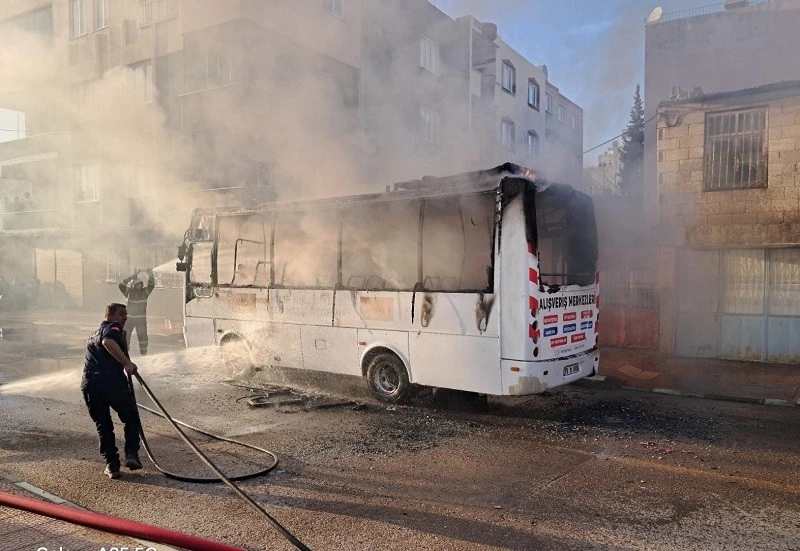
(105, 387)
(137, 294)
(16, 204)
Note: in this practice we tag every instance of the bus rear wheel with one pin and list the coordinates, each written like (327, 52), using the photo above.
(388, 379)
(236, 358)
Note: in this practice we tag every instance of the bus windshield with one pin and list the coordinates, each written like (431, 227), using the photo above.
(566, 236)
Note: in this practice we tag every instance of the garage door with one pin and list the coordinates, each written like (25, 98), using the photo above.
(739, 304)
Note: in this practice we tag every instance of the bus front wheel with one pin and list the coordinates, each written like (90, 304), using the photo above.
(388, 379)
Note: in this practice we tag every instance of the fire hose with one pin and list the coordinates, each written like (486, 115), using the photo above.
(153, 533)
(225, 480)
(113, 525)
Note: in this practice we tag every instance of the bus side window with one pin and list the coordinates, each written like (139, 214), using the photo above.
(457, 243)
(379, 246)
(306, 248)
(242, 247)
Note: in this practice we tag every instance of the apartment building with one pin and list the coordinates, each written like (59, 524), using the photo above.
(729, 217)
(137, 111)
(603, 179)
(453, 96)
(512, 100)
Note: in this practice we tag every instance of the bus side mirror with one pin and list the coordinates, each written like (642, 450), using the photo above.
(182, 251)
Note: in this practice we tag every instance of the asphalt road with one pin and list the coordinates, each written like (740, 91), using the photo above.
(585, 467)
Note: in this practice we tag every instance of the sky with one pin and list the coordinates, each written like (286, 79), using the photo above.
(593, 49)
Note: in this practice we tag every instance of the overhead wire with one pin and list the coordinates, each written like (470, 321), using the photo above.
(618, 136)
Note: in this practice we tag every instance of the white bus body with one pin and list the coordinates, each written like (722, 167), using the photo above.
(431, 318)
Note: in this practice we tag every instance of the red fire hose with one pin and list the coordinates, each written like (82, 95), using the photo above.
(113, 525)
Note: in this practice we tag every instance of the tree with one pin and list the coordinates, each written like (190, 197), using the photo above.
(631, 153)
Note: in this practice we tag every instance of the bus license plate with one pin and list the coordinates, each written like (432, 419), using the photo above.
(571, 369)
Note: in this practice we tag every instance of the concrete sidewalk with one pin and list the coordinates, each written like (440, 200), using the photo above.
(25, 531)
(754, 382)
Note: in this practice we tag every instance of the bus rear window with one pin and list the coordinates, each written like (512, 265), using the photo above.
(566, 237)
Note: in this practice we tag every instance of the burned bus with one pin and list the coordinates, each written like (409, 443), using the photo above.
(483, 282)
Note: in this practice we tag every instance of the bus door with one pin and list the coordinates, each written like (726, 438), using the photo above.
(243, 279)
(454, 340)
(199, 308)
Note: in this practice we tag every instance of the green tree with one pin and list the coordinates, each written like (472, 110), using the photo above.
(631, 153)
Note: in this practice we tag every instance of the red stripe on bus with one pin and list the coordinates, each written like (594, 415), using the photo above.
(530, 248)
(533, 275)
(533, 333)
(533, 303)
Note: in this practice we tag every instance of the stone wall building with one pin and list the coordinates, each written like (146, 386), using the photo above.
(718, 47)
(728, 168)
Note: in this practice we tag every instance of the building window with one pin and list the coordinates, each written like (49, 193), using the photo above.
(78, 25)
(430, 125)
(334, 7)
(735, 150)
(548, 103)
(509, 77)
(533, 93)
(100, 14)
(533, 144)
(507, 134)
(210, 62)
(574, 122)
(143, 82)
(87, 179)
(561, 113)
(428, 54)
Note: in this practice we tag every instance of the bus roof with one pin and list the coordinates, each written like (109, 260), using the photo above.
(429, 186)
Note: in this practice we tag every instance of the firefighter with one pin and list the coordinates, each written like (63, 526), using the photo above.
(137, 294)
(105, 387)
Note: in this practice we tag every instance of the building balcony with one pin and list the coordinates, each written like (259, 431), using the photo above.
(153, 11)
(32, 220)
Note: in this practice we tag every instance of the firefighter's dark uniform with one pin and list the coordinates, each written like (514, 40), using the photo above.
(137, 309)
(105, 387)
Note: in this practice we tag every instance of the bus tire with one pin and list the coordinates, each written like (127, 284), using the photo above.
(387, 378)
(236, 358)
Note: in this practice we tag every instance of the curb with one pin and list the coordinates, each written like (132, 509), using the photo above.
(722, 397)
(30, 488)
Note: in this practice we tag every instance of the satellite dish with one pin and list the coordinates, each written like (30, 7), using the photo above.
(655, 15)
